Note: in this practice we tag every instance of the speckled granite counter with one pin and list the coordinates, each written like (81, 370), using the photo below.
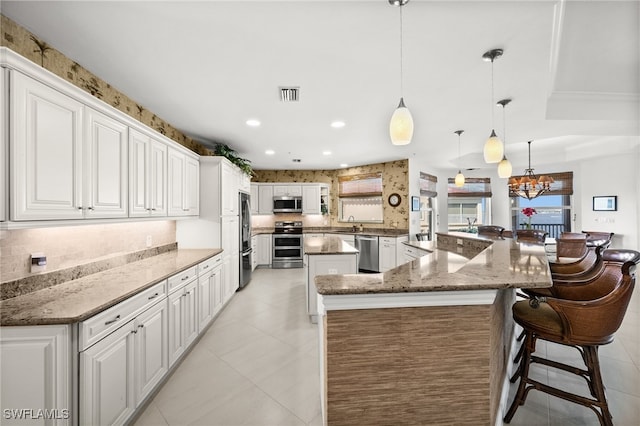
(327, 245)
(387, 340)
(380, 232)
(504, 264)
(82, 298)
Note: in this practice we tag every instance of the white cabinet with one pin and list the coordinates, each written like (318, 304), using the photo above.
(183, 319)
(325, 264)
(229, 187)
(244, 181)
(264, 249)
(120, 371)
(147, 176)
(265, 199)
(184, 181)
(4, 181)
(254, 248)
(324, 198)
(254, 198)
(106, 150)
(311, 199)
(68, 161)
(287, 190)
(348, 238)
(46, 145)
(209, 290)
(387, 253)
(413, 253)
(36, 370)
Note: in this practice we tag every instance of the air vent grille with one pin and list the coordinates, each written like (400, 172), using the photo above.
(289, 94)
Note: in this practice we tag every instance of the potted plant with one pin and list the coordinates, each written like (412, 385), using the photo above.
(528, 212)
(231, 155)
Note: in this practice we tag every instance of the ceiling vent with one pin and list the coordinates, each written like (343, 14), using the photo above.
(289, 94)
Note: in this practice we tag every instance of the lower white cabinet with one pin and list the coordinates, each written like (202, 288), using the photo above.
(119, 371)
(35, 362)
(264, 249)
(183, 319)
(254, 248)
(209, 292)
(391, 252)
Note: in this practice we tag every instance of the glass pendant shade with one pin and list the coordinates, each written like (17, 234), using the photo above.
(493, 149)
(401, 125)
(459, 179)
(504, 168)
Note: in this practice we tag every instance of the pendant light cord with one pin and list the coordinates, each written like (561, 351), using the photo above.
(504, 129)
(401, 56)
(492, 106)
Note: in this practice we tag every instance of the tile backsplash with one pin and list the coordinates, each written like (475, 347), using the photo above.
(69, 246)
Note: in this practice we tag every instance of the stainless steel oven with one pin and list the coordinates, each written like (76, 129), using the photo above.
(287, 205)
(287, 245)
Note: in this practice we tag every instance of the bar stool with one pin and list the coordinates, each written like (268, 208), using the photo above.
(531, 235)
(490, 230)
(584, 324)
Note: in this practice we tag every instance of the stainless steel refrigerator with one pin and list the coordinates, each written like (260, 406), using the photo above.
(246, 253)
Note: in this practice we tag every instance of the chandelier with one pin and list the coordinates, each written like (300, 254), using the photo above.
(529, 186)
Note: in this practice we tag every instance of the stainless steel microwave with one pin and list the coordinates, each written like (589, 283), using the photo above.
(287, 204)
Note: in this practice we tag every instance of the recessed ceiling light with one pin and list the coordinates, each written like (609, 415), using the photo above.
(253, 122)
(326, 152)
(269, 152)
(344, 165)
(337, 124)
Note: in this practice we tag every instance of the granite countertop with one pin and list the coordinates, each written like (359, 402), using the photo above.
(327, 245)
(381, 232)
(82, 298)
(504, 264)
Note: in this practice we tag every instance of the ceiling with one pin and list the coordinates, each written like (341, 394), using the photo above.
(206, 67)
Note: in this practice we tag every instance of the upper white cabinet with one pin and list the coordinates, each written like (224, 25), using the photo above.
(265, 199)
(147, 176)
(311, 199)
(244, 181)
(105, 193)
(46, 148)
(184, 181)
(229, 188)
(287, 190)
(70, 156)
(254, 198)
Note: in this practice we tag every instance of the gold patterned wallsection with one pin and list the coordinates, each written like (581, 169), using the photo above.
(439, 365)
(394, 179)
(23, 42)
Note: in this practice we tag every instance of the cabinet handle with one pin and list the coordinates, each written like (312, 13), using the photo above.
(185, 278)
(154, 296)
(185, 210)
(113, 320)
(148, 210)
(89, 208)
(205, 266)
(140, 325)
(79, 208)
(153, 210)
(134, 331)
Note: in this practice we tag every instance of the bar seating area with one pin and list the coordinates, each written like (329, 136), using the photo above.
(583, 314)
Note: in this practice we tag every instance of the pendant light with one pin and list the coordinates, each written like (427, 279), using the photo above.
(504, 166)
(401, 124)
(459, 180)
(493, 148)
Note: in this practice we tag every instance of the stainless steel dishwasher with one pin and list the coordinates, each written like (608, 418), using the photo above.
(368, 247)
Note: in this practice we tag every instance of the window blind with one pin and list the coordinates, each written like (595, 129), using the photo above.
(473, 187)
(428, 185)
(369, 184)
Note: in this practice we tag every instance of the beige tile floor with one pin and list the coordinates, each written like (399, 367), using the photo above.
(258, 365)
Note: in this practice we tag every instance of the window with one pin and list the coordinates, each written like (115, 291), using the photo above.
(469, 206)
(360, 198)
(553, 209)
(428, 193)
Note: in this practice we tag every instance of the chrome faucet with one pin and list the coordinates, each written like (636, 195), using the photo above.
(352, 219)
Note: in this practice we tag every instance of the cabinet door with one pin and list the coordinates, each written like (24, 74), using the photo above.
(230, 240)
(205, 299)
(106, 385)
(254, 199)
(151, 345)
(311, 199)
(254, 247)
(139, 174)
(264, 249)
(387, 254)
(46, 143)
(3, 148)
(192, 187)
(176, 326)
(158, 179)
(106, 166)
(217, 289)
(265, 199)
(35, 362)
(190, 312)
(229, 189)
(176, 183)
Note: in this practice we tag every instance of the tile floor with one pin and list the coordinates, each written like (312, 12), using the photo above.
(258, 365)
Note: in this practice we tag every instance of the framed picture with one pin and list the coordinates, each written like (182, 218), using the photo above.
(607, 203)
(415, 204)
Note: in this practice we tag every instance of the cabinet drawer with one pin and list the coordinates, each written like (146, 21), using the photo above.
(387, 240)
(182, 278)
(100, 325)
(209, 264)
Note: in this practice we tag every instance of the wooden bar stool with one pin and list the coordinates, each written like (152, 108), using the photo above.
(584, 324)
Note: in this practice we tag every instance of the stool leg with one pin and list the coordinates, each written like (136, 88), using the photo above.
(523, 370)
(593, 365)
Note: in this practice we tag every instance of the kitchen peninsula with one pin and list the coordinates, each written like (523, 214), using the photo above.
(429, 339)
